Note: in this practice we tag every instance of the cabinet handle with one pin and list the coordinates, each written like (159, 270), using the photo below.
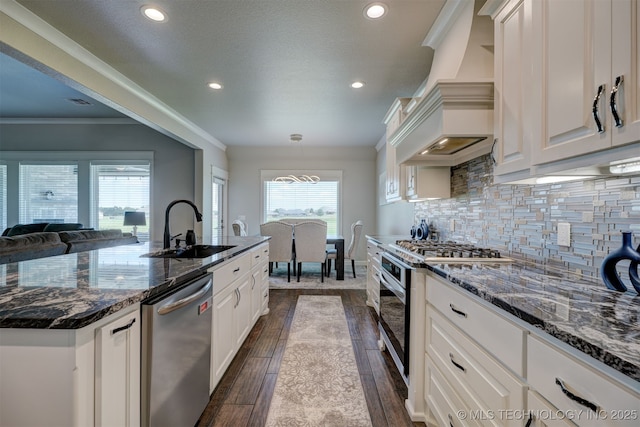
(580, 400)
(529, 421)
(596, 116)
(236, 270)
(237, 298)
(450, 420)
(456, 311)
(493, 155)
(612, 102)
(123, 328)
(457, 365)
(253, 285)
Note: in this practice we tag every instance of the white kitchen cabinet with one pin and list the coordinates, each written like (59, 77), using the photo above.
(514, 112)
(373, 275)
(392, 120)
(577, 62)
(427, 182)
(579, 390)
(259, 275)
(117, 372)
(235, 298)
(72, 377)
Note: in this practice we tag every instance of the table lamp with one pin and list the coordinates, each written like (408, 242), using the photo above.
(135, 219)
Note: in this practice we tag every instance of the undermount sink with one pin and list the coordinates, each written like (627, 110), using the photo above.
(195, 251)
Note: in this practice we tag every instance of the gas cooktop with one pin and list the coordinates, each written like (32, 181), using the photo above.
(449, 252)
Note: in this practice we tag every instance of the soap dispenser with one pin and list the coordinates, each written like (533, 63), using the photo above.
(190, 238)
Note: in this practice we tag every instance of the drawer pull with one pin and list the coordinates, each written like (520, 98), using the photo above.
(580, 400)
(457, 365)
(123, 328)
(529, 421)
(236, 270)
(458, 312)
(450, 420)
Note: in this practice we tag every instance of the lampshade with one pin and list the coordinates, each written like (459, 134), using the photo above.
(134, 218)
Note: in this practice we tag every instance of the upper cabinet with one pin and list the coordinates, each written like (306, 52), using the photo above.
(393, 119)
(588, 76)
(567, 90)
(513, 112)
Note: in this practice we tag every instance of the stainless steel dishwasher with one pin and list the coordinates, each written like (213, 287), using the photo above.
(176, 355)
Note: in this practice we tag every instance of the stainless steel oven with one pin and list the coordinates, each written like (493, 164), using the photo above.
(395, 301)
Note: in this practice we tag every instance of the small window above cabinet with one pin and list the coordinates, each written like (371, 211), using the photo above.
(427, 182)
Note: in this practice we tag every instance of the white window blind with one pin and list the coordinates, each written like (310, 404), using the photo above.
(48, 193)
(3, 197)
(303, 200)
(117, 188)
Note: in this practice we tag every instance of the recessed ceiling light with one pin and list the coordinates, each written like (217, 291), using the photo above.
(215, 85)
(153, 13)
(375, 10)
(357, 85)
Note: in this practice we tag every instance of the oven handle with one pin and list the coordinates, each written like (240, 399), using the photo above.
(393, 287)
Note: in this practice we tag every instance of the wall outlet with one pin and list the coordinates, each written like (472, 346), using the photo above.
(452, 224)
(564, 234)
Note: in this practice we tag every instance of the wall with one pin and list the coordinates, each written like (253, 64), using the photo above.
(174, 168)
(358, 167)
(522, 219)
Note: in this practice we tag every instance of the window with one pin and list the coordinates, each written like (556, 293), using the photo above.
(217, 198)
(116, 188)
(302, 199)
(48, 193)
(3, 197)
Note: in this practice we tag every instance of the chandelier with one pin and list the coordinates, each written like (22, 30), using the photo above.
(309, 179)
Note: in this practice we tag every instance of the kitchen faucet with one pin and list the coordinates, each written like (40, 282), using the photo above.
(167, 233)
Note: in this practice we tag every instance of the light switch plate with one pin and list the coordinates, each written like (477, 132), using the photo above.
(564, 234)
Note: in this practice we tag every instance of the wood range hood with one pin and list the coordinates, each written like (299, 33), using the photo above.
(450, 118)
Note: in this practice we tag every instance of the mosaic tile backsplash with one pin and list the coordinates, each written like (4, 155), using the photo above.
(522, 220)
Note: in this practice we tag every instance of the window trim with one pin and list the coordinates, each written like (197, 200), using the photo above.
(323, 174)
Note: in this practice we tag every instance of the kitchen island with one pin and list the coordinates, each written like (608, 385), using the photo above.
(70, 337)
(529, 318)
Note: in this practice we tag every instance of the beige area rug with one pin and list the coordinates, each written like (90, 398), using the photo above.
(310, 278)
(318, 383)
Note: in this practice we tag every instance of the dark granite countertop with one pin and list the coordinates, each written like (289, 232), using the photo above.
(72, 291)
(575, 309)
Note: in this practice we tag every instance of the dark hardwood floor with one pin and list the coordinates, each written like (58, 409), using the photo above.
(244, 393)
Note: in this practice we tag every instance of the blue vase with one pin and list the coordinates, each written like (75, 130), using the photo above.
(633, 273)
(423, 230)
(608, 270)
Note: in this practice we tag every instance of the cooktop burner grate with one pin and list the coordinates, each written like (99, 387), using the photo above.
(432, 250)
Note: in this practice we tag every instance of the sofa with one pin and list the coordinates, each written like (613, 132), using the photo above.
(39, 244)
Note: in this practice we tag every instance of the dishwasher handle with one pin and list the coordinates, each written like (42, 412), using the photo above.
(168, 308)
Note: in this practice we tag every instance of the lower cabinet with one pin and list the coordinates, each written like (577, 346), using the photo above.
(84, 377)
(117, 375)
(483, 366)
(373, 275)
(238, 302)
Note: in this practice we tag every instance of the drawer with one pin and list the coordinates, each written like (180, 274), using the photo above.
(259, 254)
(493, 332)
(225, 274)
(548, 365)
(543, 413)
(481, 380)
(443, 403)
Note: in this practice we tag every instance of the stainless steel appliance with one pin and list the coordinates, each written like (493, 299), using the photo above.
(176, 355)
(395, 303)
(448, 252)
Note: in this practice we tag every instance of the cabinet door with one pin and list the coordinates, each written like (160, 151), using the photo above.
(625, 62)
(574, 38)
(223, 340)
(514, 109)
(117, 386)
(242, 315)
(393, 175)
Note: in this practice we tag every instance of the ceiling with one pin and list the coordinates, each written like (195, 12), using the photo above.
(286, 65)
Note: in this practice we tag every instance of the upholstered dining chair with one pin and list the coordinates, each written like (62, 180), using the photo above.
(280, 244)
(239, 228)
(356, 231)
(311, 243)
